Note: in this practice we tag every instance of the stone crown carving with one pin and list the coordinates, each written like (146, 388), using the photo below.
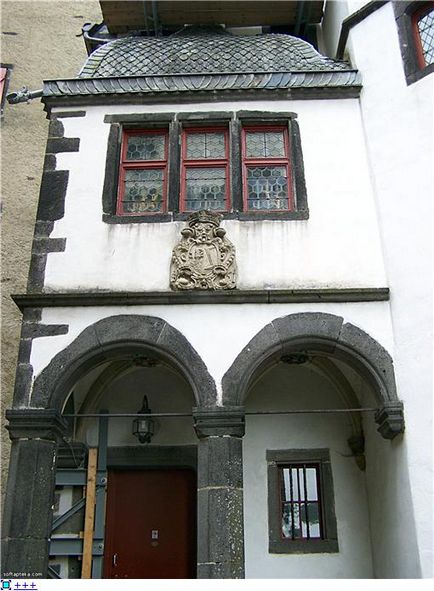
(204, 258)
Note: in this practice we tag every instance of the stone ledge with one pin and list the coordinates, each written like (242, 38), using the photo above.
(33, 423)
(234, 296)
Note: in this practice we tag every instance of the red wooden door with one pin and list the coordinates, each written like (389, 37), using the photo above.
(150, 524)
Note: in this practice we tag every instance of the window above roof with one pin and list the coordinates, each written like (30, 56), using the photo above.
(415, 21)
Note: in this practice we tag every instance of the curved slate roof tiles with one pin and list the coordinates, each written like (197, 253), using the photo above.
(206, 60)
(206, 50)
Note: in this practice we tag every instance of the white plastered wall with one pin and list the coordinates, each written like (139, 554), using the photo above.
(285, 388)
(217, 332)
(398, 126)
(337, 247)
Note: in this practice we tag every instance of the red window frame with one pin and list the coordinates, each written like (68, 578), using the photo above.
(282, 502)
(415, 18)
(141, 165)
(190, 163)
(3, 75)
(272, 161)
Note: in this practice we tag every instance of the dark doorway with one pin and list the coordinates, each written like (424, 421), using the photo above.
(151, 524)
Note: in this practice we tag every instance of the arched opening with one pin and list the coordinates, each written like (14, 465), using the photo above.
(294, 429)
(137, 518)
(318, 478)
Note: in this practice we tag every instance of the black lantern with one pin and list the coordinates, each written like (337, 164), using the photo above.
(143, 426)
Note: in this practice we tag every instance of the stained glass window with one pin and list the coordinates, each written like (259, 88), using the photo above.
(205, 145)
(267, 187)
(145, 147)
(265, 144)
(266, 171)
(143, 191)
(300, 503)
(205, 189)
(142, 186)
(205, 169)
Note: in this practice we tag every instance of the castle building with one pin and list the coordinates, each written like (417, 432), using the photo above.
(225, 356)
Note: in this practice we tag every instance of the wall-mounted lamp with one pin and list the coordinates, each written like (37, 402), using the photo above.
(143, 426)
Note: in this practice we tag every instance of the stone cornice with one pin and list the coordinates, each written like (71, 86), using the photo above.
(235, 296)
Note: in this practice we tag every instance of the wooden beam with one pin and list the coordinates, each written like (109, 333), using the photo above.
(89, 517)
(121, 16)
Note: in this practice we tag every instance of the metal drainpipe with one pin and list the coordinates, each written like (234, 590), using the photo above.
(155, 18)
(145, 11)
(298, 18)
(23, 96)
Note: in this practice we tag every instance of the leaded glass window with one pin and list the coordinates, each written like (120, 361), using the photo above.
(143, 191)
(142, 186)
(424, 22)
(206, 145)
(267, 187)
(205, 170)
(205, 189)
(265, 144)
(266, 169)
(300, 502)
(145, 147)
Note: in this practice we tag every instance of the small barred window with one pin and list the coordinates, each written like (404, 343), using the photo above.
(300, 502)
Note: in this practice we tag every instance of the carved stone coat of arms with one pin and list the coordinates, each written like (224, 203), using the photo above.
(204, 258)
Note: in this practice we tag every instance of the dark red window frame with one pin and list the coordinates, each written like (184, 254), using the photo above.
(282, 502)
(415, 18)
(141, 165)
(3, 76)
(189, 163)
(272, 161)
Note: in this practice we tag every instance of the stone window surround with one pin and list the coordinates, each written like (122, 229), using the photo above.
(176, 122)
(278, 545)
(404, 12)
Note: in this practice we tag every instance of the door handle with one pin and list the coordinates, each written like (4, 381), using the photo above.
(115, 559)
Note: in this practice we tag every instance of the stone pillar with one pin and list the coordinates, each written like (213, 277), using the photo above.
(30, 491)
(220, 493)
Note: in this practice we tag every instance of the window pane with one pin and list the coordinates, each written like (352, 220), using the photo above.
(311, 484)
(206, 145)
(205, 189)
(296, 529)
(267, 188)
(426, 32)
(143, 191)
(145, 147)
(286, 485)
(265, 144)
(287, 521)
(313, 514)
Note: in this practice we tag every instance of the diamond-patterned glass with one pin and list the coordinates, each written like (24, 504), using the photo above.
(426, 32)
(267, 188)
(265, 144)
(145, 147)
(205, 145)
(143, 191)
(205, 189)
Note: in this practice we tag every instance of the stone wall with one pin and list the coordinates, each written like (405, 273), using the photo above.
(40, 40)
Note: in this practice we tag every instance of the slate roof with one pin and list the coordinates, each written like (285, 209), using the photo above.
(206, 50)
(203, 59)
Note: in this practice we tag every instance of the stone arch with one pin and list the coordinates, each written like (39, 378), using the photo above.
(326, 333)
(113, 338)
